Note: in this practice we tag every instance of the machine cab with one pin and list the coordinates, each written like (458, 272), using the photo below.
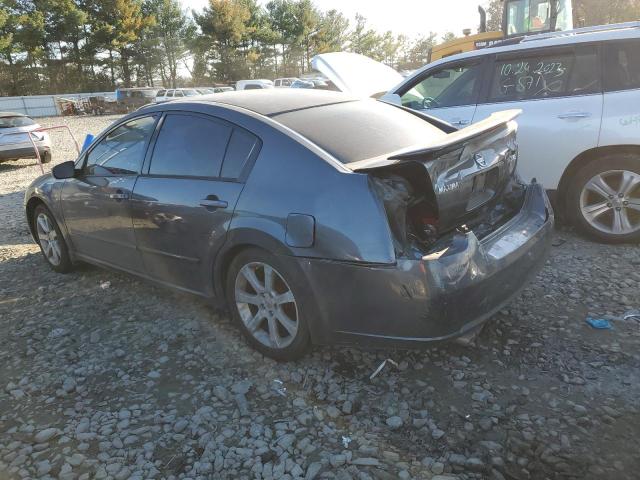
(525, 17)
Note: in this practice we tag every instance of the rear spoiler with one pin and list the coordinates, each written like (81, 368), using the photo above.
(446, 143)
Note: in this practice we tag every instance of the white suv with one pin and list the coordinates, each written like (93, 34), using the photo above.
(579, 134)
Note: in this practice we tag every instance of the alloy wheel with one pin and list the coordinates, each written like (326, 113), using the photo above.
(610, 202)
(48, 238)
(266, 305)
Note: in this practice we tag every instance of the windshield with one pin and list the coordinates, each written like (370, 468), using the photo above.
(11, 122)
(534, 16)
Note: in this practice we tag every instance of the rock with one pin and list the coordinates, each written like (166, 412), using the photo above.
(46, 435)
(180, 425)
(337, 460)
(42, 468)
(332, 411)
(394, 422)
(312, 470)
(366, 461)
(437, 468)
(242, 387)
(69, 385)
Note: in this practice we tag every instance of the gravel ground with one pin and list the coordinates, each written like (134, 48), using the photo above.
(103, 375)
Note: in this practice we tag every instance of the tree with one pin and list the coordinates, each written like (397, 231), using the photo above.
(494, 15)
(224, 23)
(597, 12)
(363, 40)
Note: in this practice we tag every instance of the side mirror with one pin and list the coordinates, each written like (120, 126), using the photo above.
(64, 170)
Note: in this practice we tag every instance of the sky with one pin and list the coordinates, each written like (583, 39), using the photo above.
(411, 17)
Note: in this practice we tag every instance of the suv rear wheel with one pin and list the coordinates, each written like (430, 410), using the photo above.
(604, 199)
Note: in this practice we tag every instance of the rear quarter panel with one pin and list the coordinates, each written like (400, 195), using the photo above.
(288, 177)
(621, 118)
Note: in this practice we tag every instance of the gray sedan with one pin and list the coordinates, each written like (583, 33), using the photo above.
(311, 215)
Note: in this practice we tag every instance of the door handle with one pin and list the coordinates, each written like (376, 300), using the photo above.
(573, 115)
(460, 122)
(212, 202)
(119, 195)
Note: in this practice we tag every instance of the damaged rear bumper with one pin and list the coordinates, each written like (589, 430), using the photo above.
(458, 285)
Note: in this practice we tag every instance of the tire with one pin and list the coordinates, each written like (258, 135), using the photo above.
(57, 258)
(603, 200)
(273, 320)
(46, 156)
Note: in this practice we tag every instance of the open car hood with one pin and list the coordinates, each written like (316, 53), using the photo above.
(356, 74)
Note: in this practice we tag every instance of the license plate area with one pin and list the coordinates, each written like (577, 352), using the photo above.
(484, 188)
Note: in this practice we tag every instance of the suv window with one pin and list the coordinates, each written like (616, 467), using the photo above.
(169, 93)
(160, 93)
(191, 146)
(451, 86)
(242, 146)
(252, 86)
(122, 151)
(543, 75)
(622, 65)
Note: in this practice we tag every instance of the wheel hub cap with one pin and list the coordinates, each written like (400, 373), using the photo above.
(266, 305)
(610, 202)
(48, 239)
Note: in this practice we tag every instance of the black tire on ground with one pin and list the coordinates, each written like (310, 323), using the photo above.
(300, 343)
(612, 163)
(64, 265)
(46, 156)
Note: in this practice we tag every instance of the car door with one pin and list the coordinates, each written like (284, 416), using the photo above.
(559, 92)
(184, 202)
(95, 203)
(621, 115)
(448, 92)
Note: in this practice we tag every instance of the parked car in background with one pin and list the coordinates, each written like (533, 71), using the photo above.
(302, 84)
(223, 89)
(15, 129)
(284, 82)
(173, 93)
(253, 84)
(580, 128)
(289, 206)
(130, 99)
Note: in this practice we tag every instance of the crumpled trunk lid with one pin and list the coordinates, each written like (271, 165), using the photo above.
(459, 174)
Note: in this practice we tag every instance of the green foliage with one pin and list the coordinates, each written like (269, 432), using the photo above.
(49, 46)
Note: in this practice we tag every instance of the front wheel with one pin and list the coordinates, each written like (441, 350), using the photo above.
(267, 306)
(604, 199)
(52, 244)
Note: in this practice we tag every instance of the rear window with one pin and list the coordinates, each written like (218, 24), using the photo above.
(353, 131)
(11, 122)
(622, 65)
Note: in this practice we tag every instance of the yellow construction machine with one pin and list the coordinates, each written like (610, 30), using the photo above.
(519, 18)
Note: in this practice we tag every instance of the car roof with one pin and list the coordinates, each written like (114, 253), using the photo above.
(272, 102)
(11, 114)
(603, 33)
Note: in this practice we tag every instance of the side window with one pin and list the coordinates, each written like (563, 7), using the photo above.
(178, 93)
(252, 86)
(160, 93)
(537, 76)
(169, 93)
(122, 151)
(242, 146)
(191, 146)
(622, 65)
(450, 86)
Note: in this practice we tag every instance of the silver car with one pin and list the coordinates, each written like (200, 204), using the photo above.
(15, 129)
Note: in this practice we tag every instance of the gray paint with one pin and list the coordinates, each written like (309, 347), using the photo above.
(324, 220)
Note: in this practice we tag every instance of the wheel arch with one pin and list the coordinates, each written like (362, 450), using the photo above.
(30, 208)
(583, 159)
(237, 241)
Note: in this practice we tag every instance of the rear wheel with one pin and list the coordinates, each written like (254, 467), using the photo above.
(52, 244)
(604, 199)
(268, 308)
